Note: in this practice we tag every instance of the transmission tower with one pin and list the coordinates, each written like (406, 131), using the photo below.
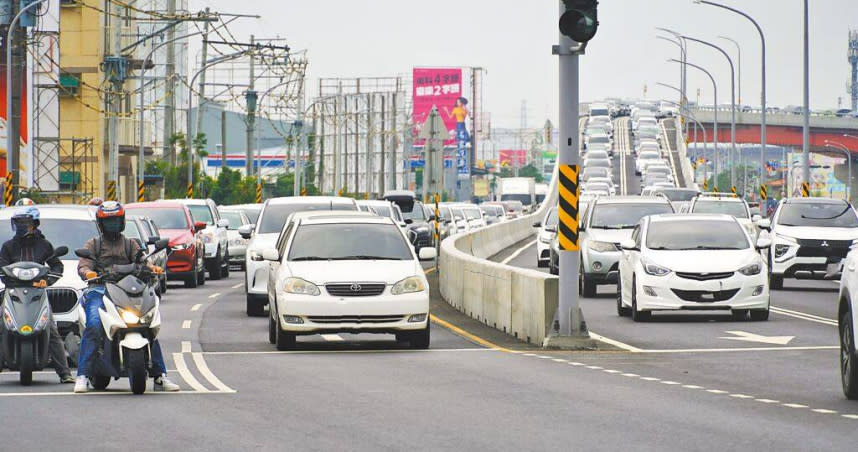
(853, 60)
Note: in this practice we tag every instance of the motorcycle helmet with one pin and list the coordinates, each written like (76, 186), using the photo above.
(110, 218)
(96, 201)
(23, 220)
(25, 202)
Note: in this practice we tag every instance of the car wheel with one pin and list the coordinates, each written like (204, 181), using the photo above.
(225, 269)
(193, 280)
(776, 282)
(638, 316)
(420, 339)
(622, 311)
(285, 340)
(760, 315)
(739, 314)
(163, 283)
(272, 330)
(215, 267)
(255, 307)
(586, 286)
(848, 368)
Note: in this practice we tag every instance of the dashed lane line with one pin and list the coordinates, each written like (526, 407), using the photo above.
(214, 295)
(186, 346)
(803, 316)
(196, 307)
(186, 324)
(238, 286)
(323, 352)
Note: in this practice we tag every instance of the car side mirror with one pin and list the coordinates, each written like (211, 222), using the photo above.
(765, 224)
(628, 245)
(409, 221)
(61, 251)
(756, 218)
(427, 254)
(82, 253)
(431, 217)
(246, 230)
(271, 255)
(223, 223)
(551, 229)
(199, 226)
(161, 244)
(537, 224)
(764, 243)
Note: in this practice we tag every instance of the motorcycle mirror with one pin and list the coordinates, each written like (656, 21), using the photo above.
(153, 240)
(83, 253)
(161, 244)
(61, 251)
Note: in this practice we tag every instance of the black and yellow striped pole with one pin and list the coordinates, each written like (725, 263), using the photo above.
(705, 185)
(567, 211)
(764, 193)
(141, 191)
(111, 191)
(303, 191)
(437, 218)
(733, 190)
(190, 194)
(805, 190)
(259, 193)
(8, 197)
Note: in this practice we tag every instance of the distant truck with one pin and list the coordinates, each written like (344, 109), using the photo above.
(541, 192)
(521, 189)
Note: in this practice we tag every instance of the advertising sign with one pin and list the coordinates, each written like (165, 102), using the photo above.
(442, 88)
(24, 163)
(513, 157)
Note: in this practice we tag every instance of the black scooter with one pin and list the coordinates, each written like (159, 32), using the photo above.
(26, 312)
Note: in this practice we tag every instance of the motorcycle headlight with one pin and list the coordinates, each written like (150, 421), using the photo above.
(751, 270)
(602, 247)
(654, 269)
(129, 317)
(9, 320)
(300, 286)
(25, 274)
(408, 285)
(148, 316)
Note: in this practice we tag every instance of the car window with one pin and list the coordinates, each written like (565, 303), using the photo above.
(827, 215)
(624, 216)
(202, 213)
(636, 235)
(164, 217)
(445, 213)
(284, 238)
(397, 214)
(61, 232)
(472, 213)
(382, 211)
(252, 213)
(349, 242)
(417, 213)
(234, 218)
(678, 194)
(551, 220)
(274, 216)
(734, 208)
(132, 231)
(696, 235)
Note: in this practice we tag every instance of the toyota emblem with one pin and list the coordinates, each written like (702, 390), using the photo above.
(355, 288)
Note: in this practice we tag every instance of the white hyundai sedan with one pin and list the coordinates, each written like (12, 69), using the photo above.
(695, 262)
(346, 272)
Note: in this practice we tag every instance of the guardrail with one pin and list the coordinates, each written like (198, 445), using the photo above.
(687, 169)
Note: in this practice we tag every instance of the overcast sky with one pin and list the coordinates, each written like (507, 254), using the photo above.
(512, 39)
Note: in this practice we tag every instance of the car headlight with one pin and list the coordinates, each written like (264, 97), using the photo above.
(781, 249)
(654, 269)
(239, 242)
(751, 270)
(129, 317)
(602, 247)
(300, 286)
(182, 246)
(545, 238)
(408, 285)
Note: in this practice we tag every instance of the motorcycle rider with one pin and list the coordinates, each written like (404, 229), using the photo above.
(29, 245)
(110, 248)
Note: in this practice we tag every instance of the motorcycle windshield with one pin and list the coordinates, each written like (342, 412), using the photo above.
(24, 272)
(131, 292)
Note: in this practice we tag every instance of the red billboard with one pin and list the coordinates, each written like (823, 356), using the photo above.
(513, 157)
(3, 120)
(441, 88)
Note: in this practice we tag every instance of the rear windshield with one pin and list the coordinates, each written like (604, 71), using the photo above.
(164, 217)
(827, 215)
(233, 217)
(473, 213)
(320, 242)
(624, 216)
(382, 211)
(274, 215)
(202, 213)
(678, 194)
(734, 208)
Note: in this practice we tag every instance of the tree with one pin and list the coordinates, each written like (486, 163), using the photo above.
(531, 171)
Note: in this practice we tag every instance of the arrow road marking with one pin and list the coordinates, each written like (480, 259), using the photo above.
(751, 337)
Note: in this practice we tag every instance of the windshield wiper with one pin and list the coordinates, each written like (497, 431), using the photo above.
(364, 258)
(662, 248)
(703, 247)
(309, 258)
(620, 226)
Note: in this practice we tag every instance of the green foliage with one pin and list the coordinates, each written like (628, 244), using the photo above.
(531, 171)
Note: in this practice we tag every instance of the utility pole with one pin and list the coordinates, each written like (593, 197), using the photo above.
(250, 96)
(170, 88)
(370, 100)
(382, 146)
(201, 102)
(805, 146)
(16, 61)
(357, 145)
(393, 139)
(115, 73)
(223, 139)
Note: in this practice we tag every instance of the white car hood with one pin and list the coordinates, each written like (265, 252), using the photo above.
(711, 261)
(609, 235)
(806, 232)
(324, 272)
(70, 277)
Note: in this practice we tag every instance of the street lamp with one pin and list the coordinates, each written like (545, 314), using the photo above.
(763, 75)
(684, 70)
(848, 154)
(690, 115)
(738, 65)
(732, 159)
(715, 128)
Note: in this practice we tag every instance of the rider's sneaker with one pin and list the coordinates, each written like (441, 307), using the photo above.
(164, 384)
(67, 378)
(80, 384)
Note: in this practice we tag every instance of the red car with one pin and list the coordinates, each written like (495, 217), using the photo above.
(185, 261)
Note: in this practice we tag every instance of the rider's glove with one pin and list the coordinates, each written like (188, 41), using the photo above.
(91, 275)
(40, 284)
(157, 270)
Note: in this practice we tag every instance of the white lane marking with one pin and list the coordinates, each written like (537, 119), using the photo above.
(803, 316)
(824, 411)
(595, 367)
(207, 373)
(630, 375)
(716, 391)
(741, 396)
(650, 379)
(745, 349)
(186, 346)
(238, 286)
(615, 343)
(196, 307)
(214, 295)
(311, 352)
(851, 416)
(186, 324)
(751, 337)
(692, 387)
(558, 360)
(767, 401)
(793, 405)
(517, 252)
(186, 374)
(332, 337)
(667, 382)
(96, 393)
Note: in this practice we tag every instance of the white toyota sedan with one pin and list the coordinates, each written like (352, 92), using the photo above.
(349, 272)
(695, 262)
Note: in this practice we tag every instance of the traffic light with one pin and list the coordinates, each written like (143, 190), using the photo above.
(579, 22)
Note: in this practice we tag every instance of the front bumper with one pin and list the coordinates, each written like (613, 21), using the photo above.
(543, 251)
(385, 313)
(601, 266)
(807, 259)
(675, 293)
(237, 253)
(211, 250)
(256, 277)
(180, 263)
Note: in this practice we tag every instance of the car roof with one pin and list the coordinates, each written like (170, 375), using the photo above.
(310, 200)
(156, 205)
(814, 200)
(691, 216)
(52, 211)
(317, 217)
(374, 202)
(190, 202)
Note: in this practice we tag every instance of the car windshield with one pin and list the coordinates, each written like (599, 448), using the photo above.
(472, 213)
(381, 210)
(551, 220)
(596, 172)
(64, 232)
(696, 235)
(826, 215)
(319, 242)
(657, 169)
(445, 213)
(678, 194)
(417, 213)
(132, 231)
(202, 213)
(624, 216)
(648, 155)
(597, 163)
(164, 217)
(233, 217)
(599, 139)
(734, 208)
(274, 215)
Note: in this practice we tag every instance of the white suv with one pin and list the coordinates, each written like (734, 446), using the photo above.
(215, 236)
(847, 317)
(730, 204)
(810, 238)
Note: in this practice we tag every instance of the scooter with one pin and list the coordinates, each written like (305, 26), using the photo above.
(131, 319)
(26, 313)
